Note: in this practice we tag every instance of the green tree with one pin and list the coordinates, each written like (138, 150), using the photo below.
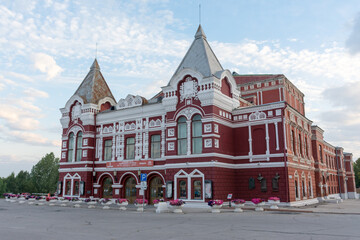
(45, 174)
(357, 172)
(11, 185)
(2, 186)
(24, 182)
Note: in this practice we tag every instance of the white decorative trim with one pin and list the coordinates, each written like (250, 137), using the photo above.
(189, 112)
(171, 146)
(207, 128)
(257, 116)
(188, 89)
(216, 143)
(105, 173)
(216, 128)
(127, 173)
(208, 143)
(171, 132)
(130, 101)
(189, 165)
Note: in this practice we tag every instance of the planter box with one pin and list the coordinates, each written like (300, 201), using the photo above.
(216, 208)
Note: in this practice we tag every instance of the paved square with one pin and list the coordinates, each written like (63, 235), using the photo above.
(23, 221)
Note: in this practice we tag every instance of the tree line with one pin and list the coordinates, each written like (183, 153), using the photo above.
(357, 172)
(42, 178)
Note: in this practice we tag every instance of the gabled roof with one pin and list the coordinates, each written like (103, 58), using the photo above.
(200, 57)
(94, 87)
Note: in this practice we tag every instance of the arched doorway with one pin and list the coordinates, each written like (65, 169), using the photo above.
(107, 188)
(156, 189)
(130, 189)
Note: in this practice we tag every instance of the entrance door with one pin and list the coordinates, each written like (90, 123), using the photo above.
(130, 190)
(156, 189)
(107, 188)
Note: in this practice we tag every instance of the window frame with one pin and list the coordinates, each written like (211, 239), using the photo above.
(108, 150)
(196, 123)
(154, 145)
(182, 140)
(79, 139)
(71, 142)
(129, 150)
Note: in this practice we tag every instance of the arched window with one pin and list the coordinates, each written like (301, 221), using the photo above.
(303, 187)
(300, 146)
(306, 148)
(155, 146)
(71, 147)
(196, 134)
(182, 136)
(293, 146)
(320, 153)
(78, 147)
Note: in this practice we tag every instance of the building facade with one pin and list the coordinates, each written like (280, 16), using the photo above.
(206, 134)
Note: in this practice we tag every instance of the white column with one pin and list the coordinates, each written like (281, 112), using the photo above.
(121, 147)
(285, 138)
(188, 137)
(250, 144)
(146, 139)
(113, 144)
(163, 128)
(276, 135)
(267, 141)
(261, 94)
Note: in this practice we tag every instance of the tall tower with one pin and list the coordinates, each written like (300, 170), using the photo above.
(79, 133)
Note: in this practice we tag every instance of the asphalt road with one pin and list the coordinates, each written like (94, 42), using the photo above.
(23, 221)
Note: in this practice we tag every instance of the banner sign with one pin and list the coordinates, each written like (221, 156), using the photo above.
(130, 163)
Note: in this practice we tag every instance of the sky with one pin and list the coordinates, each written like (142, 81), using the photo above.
(47, 48)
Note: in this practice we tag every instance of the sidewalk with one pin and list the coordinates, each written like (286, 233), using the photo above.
(350, 206)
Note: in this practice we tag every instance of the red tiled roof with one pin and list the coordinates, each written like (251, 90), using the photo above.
(243, 79)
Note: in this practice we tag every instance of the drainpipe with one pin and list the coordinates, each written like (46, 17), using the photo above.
(285, 157)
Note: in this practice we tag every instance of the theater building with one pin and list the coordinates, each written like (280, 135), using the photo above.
(207, 133)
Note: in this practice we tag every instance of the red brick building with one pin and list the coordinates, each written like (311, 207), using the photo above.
(208, 133)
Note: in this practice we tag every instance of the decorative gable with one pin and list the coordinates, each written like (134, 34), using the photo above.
(130, 101)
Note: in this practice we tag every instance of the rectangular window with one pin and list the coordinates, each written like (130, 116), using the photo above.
(155, 146)
(130, 148)
(107, 150)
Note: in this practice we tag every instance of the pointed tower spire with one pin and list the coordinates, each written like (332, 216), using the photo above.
(200, 33)
(200, 57)
(94, 87)
(95, 65)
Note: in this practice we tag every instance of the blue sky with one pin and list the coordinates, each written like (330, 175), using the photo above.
(47, 48)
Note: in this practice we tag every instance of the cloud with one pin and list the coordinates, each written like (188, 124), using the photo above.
(46, 64)
(22, 115)
(33, 93)
(353, 42)
(33, 138)
(346, 96)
